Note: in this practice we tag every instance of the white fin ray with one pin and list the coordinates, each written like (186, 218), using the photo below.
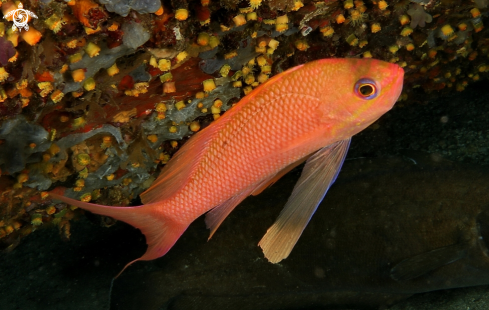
(318, 175)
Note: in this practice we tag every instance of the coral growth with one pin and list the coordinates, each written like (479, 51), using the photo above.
(98, 95)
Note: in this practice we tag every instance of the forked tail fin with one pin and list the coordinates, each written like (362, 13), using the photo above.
(161, 231)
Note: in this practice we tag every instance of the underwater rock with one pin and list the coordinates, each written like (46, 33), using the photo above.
(420, 212)
(122, 7)
(21, 140)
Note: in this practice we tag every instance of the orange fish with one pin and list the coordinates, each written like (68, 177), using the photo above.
(309, 112)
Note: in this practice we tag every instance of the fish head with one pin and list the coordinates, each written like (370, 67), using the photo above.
(356, 92)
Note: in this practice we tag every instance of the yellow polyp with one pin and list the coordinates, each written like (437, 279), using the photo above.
(152, 138)
(404, 20)
(80, 182)
(245, 10)
(382, 5)
(475, 12)
(251, 16)
(267, 69)
(92, 49)
(209, 85)
(410, 47)
(89, 84)
(215, 110)
(174, 144)
(301, 44)
(14, 58)
(340, 19)
(31, 36)
(237, 84)
(46, 88)
(83, 159)
(166, 77)
(348, 4)
(164, 65)
(160, 11)
(284, 19)
(78, 122)
(3, 74)
(261, 61)
(182, 56)
(194, 126)
(262, 78)
(75, 58)
(356, 17)
(406, 31)
(110, 177)
(160, 107)
(172, 129)
(375, 27)
(153, 63)
(432, 53)
(113, 27)
(180, 105)
(462, 26)
(255, 3)
(281, 27)
(54, 23)
(78, 75)
(64, 68)
(230, 55)
(86, 197)
(22, 178)
(203, 39)
(90, 31)
(260, 50)
(36, 219)
(327, 31)
(200, 95)
(363, 43)
(2, 29)
(181, 14)
(239, 20)
(273, 44)
(447, 31)
(393, 49)
(113, 70)
(213, 41)
(57, 95)
(224, 71)
(247, 90)
(249, 79)
(217, 103)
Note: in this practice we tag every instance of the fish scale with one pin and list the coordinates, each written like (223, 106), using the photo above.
(307, 113)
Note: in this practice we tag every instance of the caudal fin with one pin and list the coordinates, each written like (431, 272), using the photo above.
(161, 231)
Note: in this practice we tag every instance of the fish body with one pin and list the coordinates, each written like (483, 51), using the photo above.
(307, 113)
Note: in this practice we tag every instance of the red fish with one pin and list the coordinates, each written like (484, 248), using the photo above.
(309, 112)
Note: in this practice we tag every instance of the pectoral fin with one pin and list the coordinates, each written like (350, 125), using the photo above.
(318, 175)
(421, 264)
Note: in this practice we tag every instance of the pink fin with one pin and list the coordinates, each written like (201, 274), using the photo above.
(161, 232)
(318, 175)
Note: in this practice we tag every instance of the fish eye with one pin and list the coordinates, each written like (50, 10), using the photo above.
(366, 89)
